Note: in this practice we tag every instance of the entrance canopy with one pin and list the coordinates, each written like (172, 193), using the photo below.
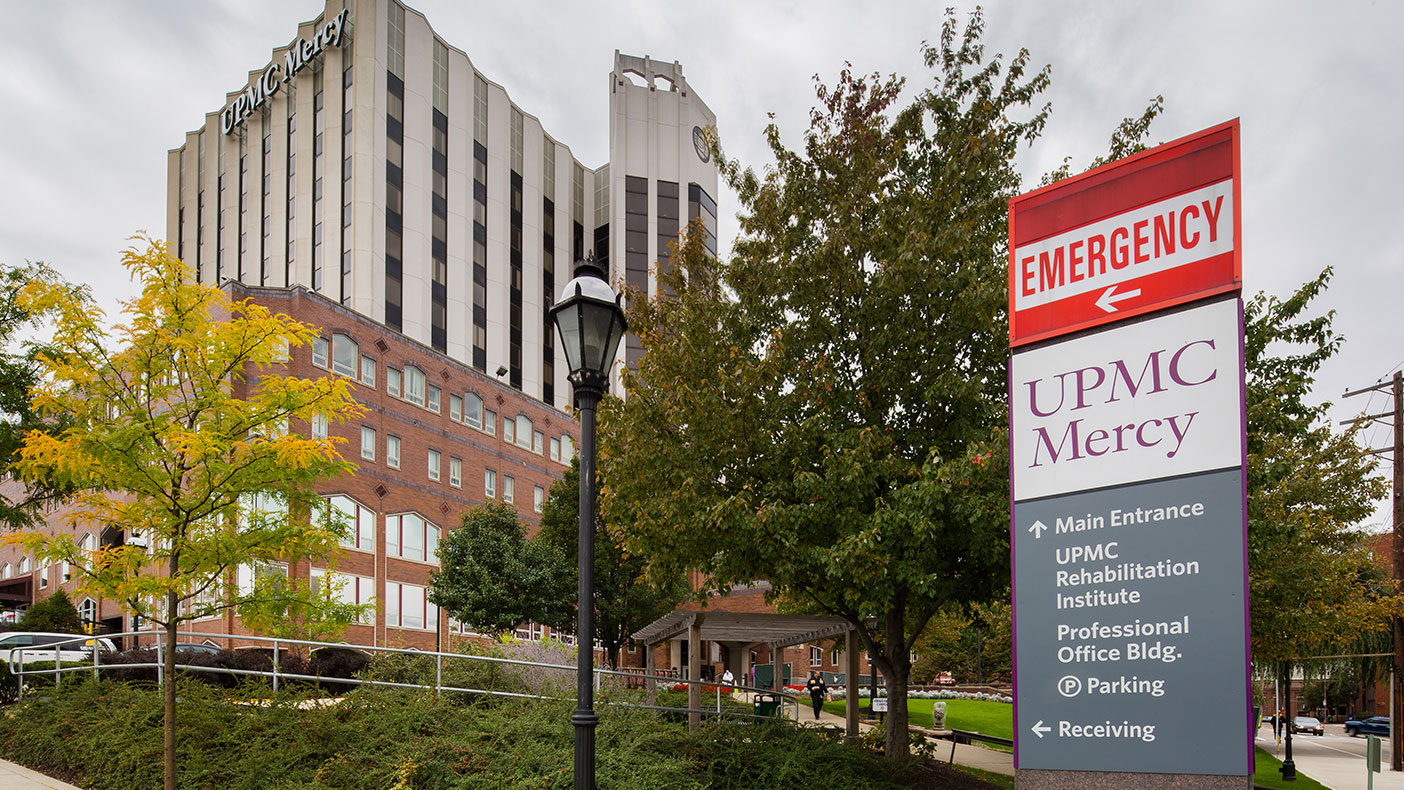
(778, 630)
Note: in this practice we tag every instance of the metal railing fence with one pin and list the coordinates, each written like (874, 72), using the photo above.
(631, 677)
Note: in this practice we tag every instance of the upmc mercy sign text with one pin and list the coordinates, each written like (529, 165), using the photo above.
(1138, 235)
(1148, 400)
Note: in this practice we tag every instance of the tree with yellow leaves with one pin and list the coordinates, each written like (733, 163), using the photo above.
(178, 428)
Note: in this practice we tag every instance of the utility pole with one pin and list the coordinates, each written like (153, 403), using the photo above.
(1396, 384)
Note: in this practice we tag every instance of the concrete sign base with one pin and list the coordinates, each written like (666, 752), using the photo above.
(1033, 779)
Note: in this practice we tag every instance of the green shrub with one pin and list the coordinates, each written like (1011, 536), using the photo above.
(54, 614)
(107, 736)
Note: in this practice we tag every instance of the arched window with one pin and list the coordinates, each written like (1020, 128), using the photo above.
(88, 543)
(360, 523)
(88, 610)
(473, 411)
(345, 354)
(524, 428)
(409, 536)
(6, 571)
(414, 385)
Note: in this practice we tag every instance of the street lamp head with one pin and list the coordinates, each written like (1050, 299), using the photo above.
(591, 323)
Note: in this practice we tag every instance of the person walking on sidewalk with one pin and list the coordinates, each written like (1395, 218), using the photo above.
(816, 689)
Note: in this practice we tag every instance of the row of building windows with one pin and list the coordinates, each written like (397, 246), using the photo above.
(341, 355)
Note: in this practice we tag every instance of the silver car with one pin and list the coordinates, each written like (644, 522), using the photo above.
(32, 647)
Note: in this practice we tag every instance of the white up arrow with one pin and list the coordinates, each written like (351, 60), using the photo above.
(1040, 728)
(1108, 302)
(1037, 529)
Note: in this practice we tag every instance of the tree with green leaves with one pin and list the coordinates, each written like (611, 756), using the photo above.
(55, 614)
(973, 643)
(626, 599)
(492, 578)
(1314, 587)
(826, 408)
(178, 430)
(19, 373)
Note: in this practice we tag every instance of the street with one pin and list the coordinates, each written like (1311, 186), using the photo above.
(1333, 759)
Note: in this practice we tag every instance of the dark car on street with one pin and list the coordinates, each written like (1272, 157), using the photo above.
(1309, 725)
(1374, 725)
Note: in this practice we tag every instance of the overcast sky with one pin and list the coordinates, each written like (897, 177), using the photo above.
(94, 94)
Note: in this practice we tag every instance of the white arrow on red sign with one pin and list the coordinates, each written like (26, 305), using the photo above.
(1108, 302)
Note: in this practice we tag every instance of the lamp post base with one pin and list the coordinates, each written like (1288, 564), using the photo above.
(585, 722)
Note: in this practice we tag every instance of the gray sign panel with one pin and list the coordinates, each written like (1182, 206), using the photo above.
(1131, 628)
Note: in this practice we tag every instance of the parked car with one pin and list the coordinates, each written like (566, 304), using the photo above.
(1308, 724)
(197, 648)
(70, 647)
(1374, 725)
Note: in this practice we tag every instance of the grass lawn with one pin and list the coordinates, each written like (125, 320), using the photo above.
(982, 716)
(1265, 774)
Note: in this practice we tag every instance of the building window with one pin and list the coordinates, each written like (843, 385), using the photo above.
(567, 448)
(455, 472)
(490, 421)
(6, 571)
(431, 398)
(392, 382)
(392, 451)
(368, 371)
(348, 589)
(434, 465)
(414, 385)
(319, 426)
(455, 408)
(408, 536)
(473, 411)
(360, 523)
(88, 611)
(406, 606)
(489, 483)
(816, 657)
(524, 430)
(367, 443)
(320, 352)
(538, 442)
(44, 578)
(509, 489)
(345, 353)
(538, 498)
(555, 449)
(509, 431)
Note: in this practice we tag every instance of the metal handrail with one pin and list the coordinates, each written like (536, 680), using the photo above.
(19, 670)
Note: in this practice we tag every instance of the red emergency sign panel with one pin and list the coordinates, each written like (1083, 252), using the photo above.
(1141, 234)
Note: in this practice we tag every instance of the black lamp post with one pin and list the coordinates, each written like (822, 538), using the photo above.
(591, 323)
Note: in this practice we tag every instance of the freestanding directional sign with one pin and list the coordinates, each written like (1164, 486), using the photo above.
(1127, 480)
(1135, 236)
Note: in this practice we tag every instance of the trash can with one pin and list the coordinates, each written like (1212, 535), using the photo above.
(766, 706)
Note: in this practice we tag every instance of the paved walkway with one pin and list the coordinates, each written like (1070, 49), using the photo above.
(17, 777)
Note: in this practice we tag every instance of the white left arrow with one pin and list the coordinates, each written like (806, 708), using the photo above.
(1037, 529)
(1108, 302)
(1040, 728)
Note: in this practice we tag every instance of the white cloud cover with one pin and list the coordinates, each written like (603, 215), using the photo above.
(94, 94)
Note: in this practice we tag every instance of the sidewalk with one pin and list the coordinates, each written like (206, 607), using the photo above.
(17, 777)
(965, 754)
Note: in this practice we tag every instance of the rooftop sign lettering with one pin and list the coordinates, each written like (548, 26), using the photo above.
(300, 54)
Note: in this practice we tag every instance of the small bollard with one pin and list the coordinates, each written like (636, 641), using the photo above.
(1372, 760)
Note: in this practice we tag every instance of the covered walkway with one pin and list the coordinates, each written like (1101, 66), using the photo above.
(740, 632)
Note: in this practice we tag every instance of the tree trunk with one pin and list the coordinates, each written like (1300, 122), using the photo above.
(169, 692)
(898, 674)
(612, 653)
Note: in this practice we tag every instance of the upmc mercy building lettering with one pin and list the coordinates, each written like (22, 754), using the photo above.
(1126, 458)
